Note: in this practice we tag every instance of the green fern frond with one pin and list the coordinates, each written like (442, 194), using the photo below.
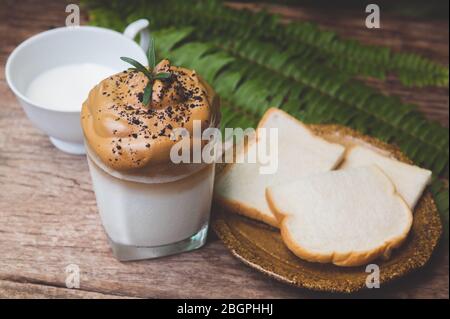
(211, 19)
(441, 197)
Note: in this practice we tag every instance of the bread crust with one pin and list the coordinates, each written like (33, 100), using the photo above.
(347, 259)
(271, 110)
(350, 259)
(242, 209)
(275, 210)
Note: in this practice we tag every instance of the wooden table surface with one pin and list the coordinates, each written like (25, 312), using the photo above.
(48, 214)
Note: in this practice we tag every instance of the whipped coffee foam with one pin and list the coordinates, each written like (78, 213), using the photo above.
(128, 135)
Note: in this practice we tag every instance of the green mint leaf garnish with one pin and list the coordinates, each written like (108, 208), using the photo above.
(162, 75)
(147, 93)
(137, 65)
(151, 56)
(150, 74)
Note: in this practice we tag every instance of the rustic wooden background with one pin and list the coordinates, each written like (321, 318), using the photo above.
(48, 215)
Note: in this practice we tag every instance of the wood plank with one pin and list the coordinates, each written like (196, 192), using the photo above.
(16, 290)
(48, 215)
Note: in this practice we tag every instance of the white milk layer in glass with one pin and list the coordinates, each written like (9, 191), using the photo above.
(152, 214)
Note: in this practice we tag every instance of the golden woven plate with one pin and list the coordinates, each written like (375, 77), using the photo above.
(260, 246)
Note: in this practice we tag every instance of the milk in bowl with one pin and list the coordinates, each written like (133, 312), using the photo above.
(66, 87)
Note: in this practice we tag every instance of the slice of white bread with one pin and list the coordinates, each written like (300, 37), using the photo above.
(409, 180)
(241, 187)
(346, 217)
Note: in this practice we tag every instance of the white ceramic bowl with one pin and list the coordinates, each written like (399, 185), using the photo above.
(69, 45)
